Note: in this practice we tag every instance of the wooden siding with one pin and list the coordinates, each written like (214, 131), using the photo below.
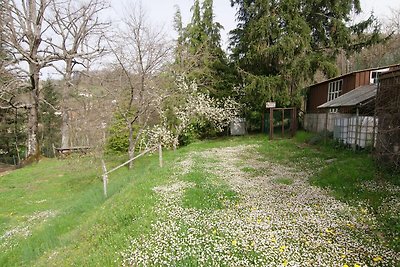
(318, 93)
(349, 82)
(362, 78)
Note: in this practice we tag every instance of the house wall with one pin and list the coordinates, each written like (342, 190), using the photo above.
(318, 94)
(349, 83)
(362, 78)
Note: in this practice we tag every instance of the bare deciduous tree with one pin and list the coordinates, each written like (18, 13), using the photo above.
(40, 32)
(27, 34)
(394, 21)
(80, 32)
(141, 55)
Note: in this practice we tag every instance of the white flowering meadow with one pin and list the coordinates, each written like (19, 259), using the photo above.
(23, 230)
(279, 219)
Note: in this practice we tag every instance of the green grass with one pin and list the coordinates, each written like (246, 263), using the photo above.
(342, 171)
(208, 191)
(255, 172)
(285, 181)
(89, 230)
(86, 223)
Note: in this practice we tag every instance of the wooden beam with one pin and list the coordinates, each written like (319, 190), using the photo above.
(132, 159)
(283, 123)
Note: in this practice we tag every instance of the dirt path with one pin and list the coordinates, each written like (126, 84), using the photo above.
(280, 220)
(4, 169)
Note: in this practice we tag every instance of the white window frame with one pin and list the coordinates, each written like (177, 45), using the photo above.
(376, 79)
(334, 91)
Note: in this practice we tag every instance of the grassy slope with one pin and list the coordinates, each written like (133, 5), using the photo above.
(89, 230)
(73, 190)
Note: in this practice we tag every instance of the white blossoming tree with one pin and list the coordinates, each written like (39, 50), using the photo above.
(189, 106)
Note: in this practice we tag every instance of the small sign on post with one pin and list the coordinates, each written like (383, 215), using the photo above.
(270, 104)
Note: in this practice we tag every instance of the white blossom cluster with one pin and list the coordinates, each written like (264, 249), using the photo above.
(192, 106)
(158, 134)
(382, 186)
(9, 239)
(273, 224)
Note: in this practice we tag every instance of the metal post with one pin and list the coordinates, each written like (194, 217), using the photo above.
(373, 131)
(356, 137)
(326, 125)
(160, 155)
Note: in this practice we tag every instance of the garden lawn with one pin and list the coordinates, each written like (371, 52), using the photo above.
(243, 201)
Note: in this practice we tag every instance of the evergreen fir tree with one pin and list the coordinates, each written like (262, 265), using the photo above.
(199, 52)
(279, 45)
(50, 121)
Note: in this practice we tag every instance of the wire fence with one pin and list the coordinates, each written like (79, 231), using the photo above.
(388, 112)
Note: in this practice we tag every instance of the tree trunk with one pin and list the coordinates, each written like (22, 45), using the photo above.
(176, 142)
(133, 143)
(65, 143)
(33, 149)
(65, 128)
(33, 144)
(131, 150)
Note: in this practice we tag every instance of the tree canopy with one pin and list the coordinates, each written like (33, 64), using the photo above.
(199, 53)
(279, 45)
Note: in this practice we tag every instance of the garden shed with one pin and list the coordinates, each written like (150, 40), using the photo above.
(356, 123)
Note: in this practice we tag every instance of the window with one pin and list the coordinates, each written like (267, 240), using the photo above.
(374, 75)
(334, 90)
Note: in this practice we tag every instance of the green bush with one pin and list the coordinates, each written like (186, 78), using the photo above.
(118, 136)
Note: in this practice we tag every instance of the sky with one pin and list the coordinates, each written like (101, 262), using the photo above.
(161, 12)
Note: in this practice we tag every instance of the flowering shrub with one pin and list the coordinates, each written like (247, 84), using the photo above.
(158, 134)
(191, 107)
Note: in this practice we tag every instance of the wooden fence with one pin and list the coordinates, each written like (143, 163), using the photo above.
(106, 173)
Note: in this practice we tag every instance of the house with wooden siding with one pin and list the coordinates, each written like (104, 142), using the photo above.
(317, 119)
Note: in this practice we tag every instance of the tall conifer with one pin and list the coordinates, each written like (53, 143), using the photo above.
(279, 45)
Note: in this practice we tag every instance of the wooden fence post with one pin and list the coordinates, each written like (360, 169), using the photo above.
(283, 123)
(105, 172)
(271, 123)
(160, 155)
(105, 177)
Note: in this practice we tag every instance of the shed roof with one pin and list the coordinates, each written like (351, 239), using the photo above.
(357, 96)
